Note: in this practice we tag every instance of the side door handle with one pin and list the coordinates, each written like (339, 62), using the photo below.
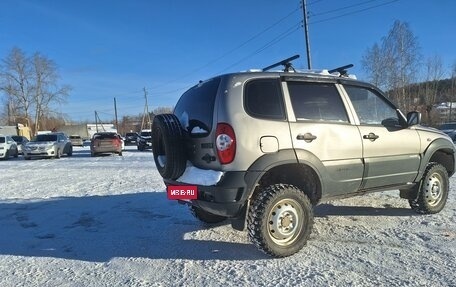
(371, 136)
(307, 137)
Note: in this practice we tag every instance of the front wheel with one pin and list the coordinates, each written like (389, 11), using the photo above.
(280, 220)
(432, 191)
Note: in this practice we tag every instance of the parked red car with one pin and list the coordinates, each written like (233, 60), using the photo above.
(106, 142)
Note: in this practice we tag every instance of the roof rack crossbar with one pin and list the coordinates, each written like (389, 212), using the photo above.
(342, 70)
(285, 63)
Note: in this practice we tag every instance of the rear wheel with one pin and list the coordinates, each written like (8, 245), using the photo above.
(168, 146)
(432, 191)
(280, 220)
(205, 216)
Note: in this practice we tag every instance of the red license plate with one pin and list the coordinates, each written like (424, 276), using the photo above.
(182, 191)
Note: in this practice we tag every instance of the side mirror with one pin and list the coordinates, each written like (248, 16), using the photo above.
(413, 118)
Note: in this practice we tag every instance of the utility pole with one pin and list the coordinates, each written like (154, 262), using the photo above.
(146, 113)
(115, 112)
(96, 122)
(306, 34)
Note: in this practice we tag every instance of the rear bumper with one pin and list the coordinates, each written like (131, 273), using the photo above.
(226, 198)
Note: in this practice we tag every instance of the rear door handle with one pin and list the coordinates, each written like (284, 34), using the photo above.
(307, 137)
(371, 137)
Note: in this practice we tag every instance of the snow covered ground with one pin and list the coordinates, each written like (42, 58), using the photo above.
(106, 221)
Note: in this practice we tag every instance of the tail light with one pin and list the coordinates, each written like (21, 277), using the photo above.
(225, 141)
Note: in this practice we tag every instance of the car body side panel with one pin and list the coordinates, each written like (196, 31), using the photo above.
(393, 158)
(338, 160)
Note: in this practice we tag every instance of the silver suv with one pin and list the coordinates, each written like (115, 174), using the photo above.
(262, 148)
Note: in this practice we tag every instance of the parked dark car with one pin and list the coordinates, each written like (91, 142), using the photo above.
(449, 129)
(145, 140)
(106, 142)
(131, 138)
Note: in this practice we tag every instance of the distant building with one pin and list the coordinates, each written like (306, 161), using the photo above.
(86, 131)
(18, 130)
(446, 111)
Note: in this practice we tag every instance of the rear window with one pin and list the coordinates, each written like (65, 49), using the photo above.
(104, 136)
(195, 108)
(75, 137)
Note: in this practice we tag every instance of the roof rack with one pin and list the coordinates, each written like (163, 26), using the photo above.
(342, 70)
(287, 67)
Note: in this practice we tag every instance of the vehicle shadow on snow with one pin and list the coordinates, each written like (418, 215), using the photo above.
(98, 228)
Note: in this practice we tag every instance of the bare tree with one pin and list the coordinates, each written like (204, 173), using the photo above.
(46, 90)
(372, 63)
(15, 77)
(434, 73)
(394, 63)
(31, 86)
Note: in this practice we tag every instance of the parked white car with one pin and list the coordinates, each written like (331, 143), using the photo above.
(8, 147)
(48, 145)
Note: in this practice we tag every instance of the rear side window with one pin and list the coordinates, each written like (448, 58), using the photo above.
(2, 140)
(263, 99)
(317, 102)
(195, 108)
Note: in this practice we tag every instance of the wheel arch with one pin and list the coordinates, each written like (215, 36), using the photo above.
(283, 167)
(442, 152)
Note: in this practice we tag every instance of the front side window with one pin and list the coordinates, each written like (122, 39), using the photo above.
(263, 99)
(371, 108)
(317, 102)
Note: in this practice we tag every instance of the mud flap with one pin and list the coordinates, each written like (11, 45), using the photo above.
(239, 222)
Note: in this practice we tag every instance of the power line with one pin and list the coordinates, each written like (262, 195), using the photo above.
(232, 50)
(342, 8)
(353, 12)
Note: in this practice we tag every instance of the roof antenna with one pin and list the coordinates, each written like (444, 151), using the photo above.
(285, 63)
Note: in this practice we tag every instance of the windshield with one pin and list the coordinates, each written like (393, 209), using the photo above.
(46, 138)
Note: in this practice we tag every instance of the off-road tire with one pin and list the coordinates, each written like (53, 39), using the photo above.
(168, 146)
(280, 220)
(432, 191)
(120, 153)
(205, 216)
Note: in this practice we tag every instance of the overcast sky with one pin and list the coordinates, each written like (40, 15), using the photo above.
(112, 48)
